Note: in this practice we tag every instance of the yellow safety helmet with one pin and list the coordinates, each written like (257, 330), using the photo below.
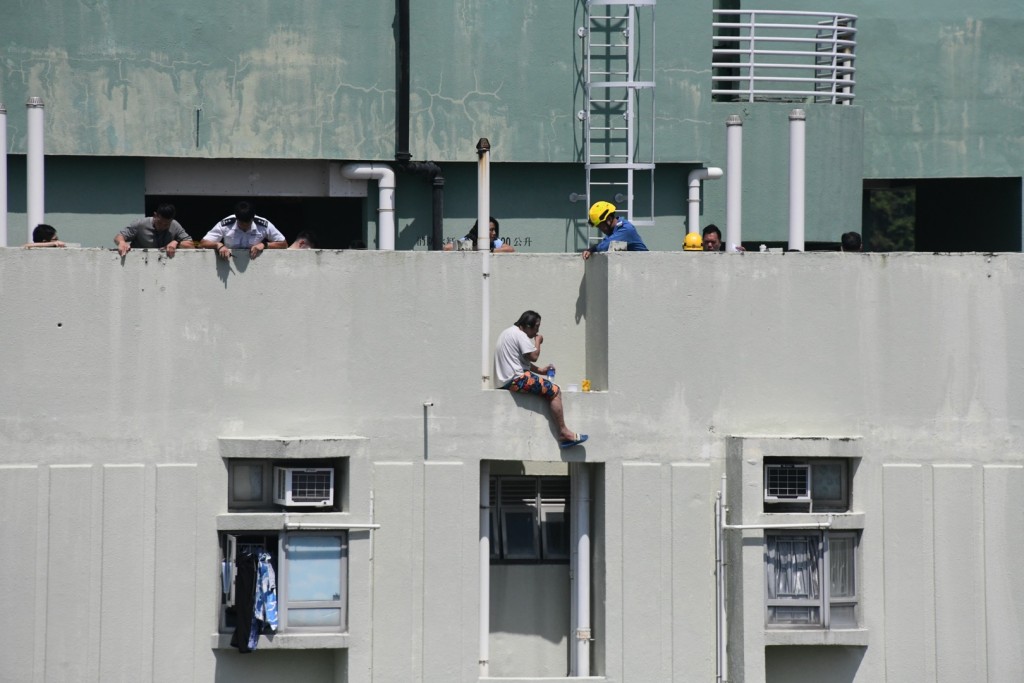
(600, 211)
(693, 242)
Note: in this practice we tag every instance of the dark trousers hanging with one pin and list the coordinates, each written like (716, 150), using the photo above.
(245, 599)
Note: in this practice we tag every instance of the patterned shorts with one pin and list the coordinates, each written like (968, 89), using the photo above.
(532, 383)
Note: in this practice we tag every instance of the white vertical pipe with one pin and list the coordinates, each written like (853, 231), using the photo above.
(719, 593)
(581, 513)
(573, 554)
(718, 587)
(485, 567)
(723, 642)
(34, 165)
(3, 175)
(386, 208)
(693, 195)
(385, 178)
(797, 170)
(733, 182)
(483, 242)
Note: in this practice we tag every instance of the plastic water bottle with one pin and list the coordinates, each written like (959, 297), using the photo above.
(551, 374)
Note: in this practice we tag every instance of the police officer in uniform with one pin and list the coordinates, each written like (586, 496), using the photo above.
(243, 230)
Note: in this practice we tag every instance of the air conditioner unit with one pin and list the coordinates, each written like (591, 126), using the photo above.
(304, 486)
(787, 483)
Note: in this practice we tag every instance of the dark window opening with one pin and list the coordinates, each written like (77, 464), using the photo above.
(937, 214)
(337, 222)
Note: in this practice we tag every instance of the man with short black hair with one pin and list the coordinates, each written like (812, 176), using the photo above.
(712, 238)
(517, 350)
(243, 230)
(160, 231)
(850, 241)
(44, 236)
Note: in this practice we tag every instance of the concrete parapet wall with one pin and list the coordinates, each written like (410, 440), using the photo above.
(126, 379)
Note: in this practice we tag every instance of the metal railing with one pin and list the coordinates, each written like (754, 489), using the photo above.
(779, 56)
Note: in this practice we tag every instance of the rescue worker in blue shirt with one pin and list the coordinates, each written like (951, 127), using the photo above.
(602, 217)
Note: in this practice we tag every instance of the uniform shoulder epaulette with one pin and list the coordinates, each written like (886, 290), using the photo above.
(230, 220)
(262, 222)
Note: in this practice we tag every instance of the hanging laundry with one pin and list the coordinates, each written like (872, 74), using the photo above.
(245, 599)
(265, 600)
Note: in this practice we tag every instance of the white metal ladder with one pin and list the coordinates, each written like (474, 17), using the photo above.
(618, 47)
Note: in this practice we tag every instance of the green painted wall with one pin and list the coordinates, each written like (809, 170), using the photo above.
(87, 200)
(936, 97)
(833, 142)
(531, 203)
(268, 79)
(317, 79)
(939, 82)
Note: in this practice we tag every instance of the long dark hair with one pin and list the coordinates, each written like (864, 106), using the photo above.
(474, 233)
(528, 319)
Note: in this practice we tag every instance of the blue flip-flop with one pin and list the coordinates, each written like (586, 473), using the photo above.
(580, 438)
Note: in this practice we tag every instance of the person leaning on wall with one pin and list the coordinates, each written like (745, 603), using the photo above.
(602, 216)
(712, 238)
(159, 231)
(498, 246)
(44, 236)
(243, 230)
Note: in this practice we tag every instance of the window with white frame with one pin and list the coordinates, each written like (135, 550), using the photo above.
(806, 485)
(311, 571)
(811, 579)
(529, 519)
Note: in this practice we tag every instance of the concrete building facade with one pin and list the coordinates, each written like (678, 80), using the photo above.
(800, 466)
(137, 386)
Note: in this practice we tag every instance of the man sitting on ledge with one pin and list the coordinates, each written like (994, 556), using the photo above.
(514, 356)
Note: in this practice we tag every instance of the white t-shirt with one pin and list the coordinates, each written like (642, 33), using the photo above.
(509, 354)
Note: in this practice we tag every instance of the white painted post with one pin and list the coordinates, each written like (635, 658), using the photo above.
(483, 243)
(733, 182)
(3, 175)
(581, 512)
(797, 170)
(34, 165)
(485, 567)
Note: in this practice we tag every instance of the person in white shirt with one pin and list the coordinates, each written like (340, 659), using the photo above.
(517, 350)
(243, 230)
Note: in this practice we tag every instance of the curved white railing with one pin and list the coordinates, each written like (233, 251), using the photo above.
(779, 56)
